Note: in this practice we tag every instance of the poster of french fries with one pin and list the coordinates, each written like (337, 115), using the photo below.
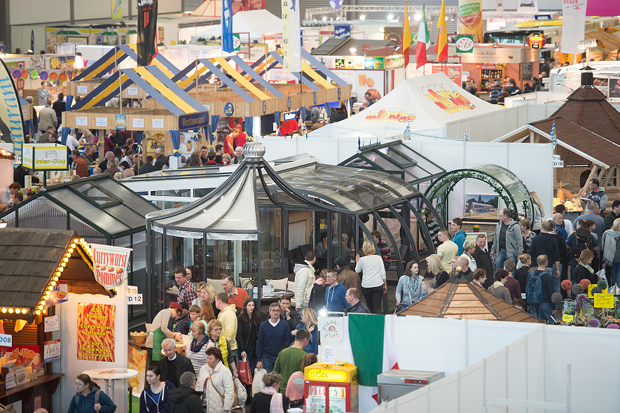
(137, 361)
(95, 332)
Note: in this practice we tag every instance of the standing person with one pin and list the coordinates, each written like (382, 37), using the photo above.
(447, 250)
(547, 245)
(43, 94)
(433, 229)
(596, 195)
(272, 335)
(47, 119)
(558, 226)
(434, 269)
(458, 235)
(561, 209)
(288, 314)
(583, 270)
(187, 291)
(174, 364)
(528, 236)
(469, 247)
(581, 239)
(235, 295)
(228, 318)
(218, 340)
(539, 212)
(216, 384)
(317, 298)
(511, 283)
(539, 290)
(309, 322)
(241, 139)
(553, 230)
(89, 397)
(268, 400)
(181, 323)
(483, 258)
(229, 142)
(347, 277)
(79, 165)
(523, 269)
(508, 242)
(353, 298)
(593, 215)
(207, 296)
(384, 249)
(185, 399)
(289, 360)
(247, 332)
(304, 280)
(611, 251)
(295, 386)
(154, 397)
(159, 330)
(374, 282)
(59, 107)
(409, 288)
(498, 289)
(321, 247)
(197, 346)
(611, 217)
(335, 293)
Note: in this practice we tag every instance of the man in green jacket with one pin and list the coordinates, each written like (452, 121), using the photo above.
(289, 361)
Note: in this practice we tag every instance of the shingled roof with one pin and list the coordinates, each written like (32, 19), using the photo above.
(461, 298)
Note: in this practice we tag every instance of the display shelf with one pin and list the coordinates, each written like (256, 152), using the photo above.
(51, 379)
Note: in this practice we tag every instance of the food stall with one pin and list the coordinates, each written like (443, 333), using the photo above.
(331, 388)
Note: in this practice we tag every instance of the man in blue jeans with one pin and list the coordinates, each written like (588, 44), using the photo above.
(508, 241)
(272, 335)
(544, 310)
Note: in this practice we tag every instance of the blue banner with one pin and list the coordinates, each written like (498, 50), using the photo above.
(342, 31)
(194, 121)
(227, 26)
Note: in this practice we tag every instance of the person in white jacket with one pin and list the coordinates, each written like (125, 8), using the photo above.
(304, 281)
(216, 382)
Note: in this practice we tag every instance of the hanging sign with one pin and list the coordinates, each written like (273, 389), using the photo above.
(331, 329)
(465, 43)
(536, 40)
(51, 351)
(95, 332)
(110, 265)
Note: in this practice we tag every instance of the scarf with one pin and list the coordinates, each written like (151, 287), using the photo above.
(610, 241)
(221, 344)
(276, 400)
(497, 284)
(588, 267)
(196, 346)
(412, 285)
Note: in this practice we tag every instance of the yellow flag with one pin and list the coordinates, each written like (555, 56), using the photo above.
(406, 36)
(441, 48)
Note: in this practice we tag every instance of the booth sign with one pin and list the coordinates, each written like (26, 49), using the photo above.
(536, 40)
(194, 120)
(110, 265)
(229, 109)
(45, 157)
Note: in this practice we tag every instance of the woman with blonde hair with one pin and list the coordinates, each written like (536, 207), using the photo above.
(374, 283)
(469, 246)
(214, 331)
(268, 400)
(207, 294)
(435, 269)
(309, 322)
(583, 270)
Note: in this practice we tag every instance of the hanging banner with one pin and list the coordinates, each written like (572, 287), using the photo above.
(227, 26)
(342, 31)
(527, 6)
(470, 16)
(117, 9)
(110, 264)
(95, 332)
(331, 329)
(573, 25)
(11, 110)
(147, 22)
(291, 29)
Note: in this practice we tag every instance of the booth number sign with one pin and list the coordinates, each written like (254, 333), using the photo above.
(133, 298)
(557, 162)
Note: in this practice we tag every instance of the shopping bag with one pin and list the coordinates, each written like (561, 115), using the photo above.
(257, 385)
(241, 393)
(245, 374)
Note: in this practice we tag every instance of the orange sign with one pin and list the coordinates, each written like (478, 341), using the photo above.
(390, 115)
(452, 71)
(536, 40)
(95, 332)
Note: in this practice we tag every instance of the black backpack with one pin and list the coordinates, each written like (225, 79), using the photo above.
(582, 241)
(494, 96)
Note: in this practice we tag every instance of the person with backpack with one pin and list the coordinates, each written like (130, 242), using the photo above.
(580, 240)
(547, 245)
(496, 92)
(539, 289)
(89, 398)
(611, 250)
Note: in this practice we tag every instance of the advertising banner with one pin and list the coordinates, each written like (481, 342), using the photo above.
(137, 361)
(227, 26)
(117, 10)
(110, 265)
(51, 351)
(470, 16)
(95, 332)
(342, 31)
(45, 157)
(147, 22)
(573, 25)
(291, 29)
(452, 71)
(10, 109)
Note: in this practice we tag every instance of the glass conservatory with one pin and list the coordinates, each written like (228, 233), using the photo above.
(260, 222)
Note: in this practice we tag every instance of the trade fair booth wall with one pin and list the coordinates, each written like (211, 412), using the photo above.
(260, 222)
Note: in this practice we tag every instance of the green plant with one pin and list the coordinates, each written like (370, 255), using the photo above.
(476, 227)
(182, 41)
(160, 44)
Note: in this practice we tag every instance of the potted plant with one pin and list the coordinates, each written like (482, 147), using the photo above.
(476, 228)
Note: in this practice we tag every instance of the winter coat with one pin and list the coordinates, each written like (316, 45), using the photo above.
(148, 405)
(514, 240)
(184, 400)
(86, 404)
(546, 244)
(500, 292)
(222, 379)
(247, 334)
(304, 281)
(349, 278)
(181, 365)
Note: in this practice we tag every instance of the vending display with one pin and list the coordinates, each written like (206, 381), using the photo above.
(331, 388)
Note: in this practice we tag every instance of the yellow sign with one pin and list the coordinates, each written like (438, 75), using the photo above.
(340, 373)
(326, 375)
(568, 318)
(603, 300)
(590, 287)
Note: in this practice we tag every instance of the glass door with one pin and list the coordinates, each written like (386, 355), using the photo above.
(337, 399)
(316, 399)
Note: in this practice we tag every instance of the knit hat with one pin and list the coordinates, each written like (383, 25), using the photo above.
(176, 305)
(341, 261)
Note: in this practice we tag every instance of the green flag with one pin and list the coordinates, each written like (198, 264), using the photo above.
(366, 333)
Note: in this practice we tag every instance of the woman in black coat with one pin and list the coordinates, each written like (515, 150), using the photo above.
(583, 270)
(248, 323)
(59, 107)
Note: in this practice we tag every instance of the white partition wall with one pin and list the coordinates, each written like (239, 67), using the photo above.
(485, 128)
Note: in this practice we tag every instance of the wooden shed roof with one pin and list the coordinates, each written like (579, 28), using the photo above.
(462, 298)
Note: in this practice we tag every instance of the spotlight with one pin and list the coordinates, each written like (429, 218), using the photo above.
(390, 17)
(363, 17)
(324, 18)
(417, 17)
(353, 50)
(338, 18)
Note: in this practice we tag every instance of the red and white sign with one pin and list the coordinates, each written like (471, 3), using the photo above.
(110, 265)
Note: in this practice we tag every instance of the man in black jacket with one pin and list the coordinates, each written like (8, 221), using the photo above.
(174, 364)
(483, 258)
(353, 298)
(546, 244)
(147, 167)
(185, 399)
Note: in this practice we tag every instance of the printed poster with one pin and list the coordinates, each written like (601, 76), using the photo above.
(60, 294)
(452, 71)
(110, 265)
(121, 122)
(137, 361)
(331, 329)
(95, 332)
(470, 17)
(51, 351)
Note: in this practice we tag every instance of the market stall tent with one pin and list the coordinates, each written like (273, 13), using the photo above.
(422, 105)
(257, 23)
